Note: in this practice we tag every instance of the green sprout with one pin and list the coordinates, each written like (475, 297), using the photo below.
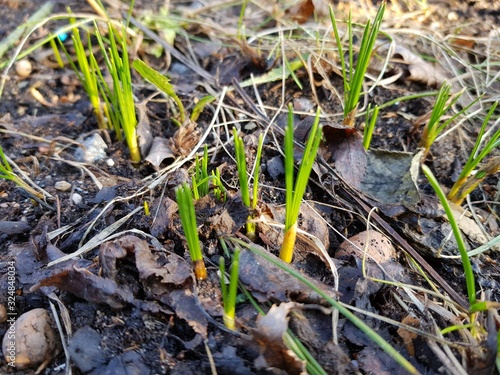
(229, 294)
(371, 120)
(294, 194)
(469, 274)
(220, 192)
(162, 82)
(200, 177)
(444, 101)
(353, 77)
(241, 165)
(188, 219)
(467, 182)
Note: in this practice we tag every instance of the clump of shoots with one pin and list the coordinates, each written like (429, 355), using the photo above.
(120, 98)
(444, 101)
(371, 120)
(113, 106)
(229, 293)
(241, 165)
(353, 77)
(87, 73)
(188, 220)
(219, 190)
(467, 181)
(200, 177)
(295, 192)
(162, 82)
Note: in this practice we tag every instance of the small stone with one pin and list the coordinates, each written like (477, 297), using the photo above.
(379, 249)
(76, 198)
(23, 68)
(95, 149)
(30, 341)
(110, 162)
(62, 185)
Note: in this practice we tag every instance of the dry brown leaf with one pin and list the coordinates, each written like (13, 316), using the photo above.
(380, 248)
(419, 69)
(345, 148)
(269, 335)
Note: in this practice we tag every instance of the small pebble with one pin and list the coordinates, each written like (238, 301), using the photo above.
(34, 340)
(110, 162)
(95, 149)
(76, 198)
(62, 185)
(23, 68)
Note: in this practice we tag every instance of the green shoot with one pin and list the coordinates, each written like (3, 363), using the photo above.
(469, 274)
(162, 82)
(241, 165)
(467, 182)
(255, 192)
(353, 78)
(229, 294)
(121, 97)
(432, 129)
(294, 194)
(7, 173)
(219, 189)
(200, 177)
(371, 120)
(86, 73)
(188, 220)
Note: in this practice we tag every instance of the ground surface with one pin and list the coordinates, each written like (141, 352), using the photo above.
(132, 302)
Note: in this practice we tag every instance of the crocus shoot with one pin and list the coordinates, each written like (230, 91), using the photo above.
(188, 220)
(295, 192)
(229, 293)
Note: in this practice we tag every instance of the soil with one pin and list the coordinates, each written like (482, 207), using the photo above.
(132, 304)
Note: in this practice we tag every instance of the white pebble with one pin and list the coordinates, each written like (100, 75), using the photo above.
(110, 162)
(23, 68)
(76, 198)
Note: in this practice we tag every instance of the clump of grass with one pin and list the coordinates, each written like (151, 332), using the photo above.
(120, 98)
(353, 76)
(295, 191)
(467, 181)
(229, 293)
(241, 165)
(113, 106)
(188, 219)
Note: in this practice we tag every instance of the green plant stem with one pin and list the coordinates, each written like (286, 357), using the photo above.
(469, 273)
(294, 194)
(188, 220)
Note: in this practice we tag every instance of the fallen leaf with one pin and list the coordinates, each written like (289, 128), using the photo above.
(390, 177)
(92, 288)
(344, 146)
(269, 335)
(160, 150)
